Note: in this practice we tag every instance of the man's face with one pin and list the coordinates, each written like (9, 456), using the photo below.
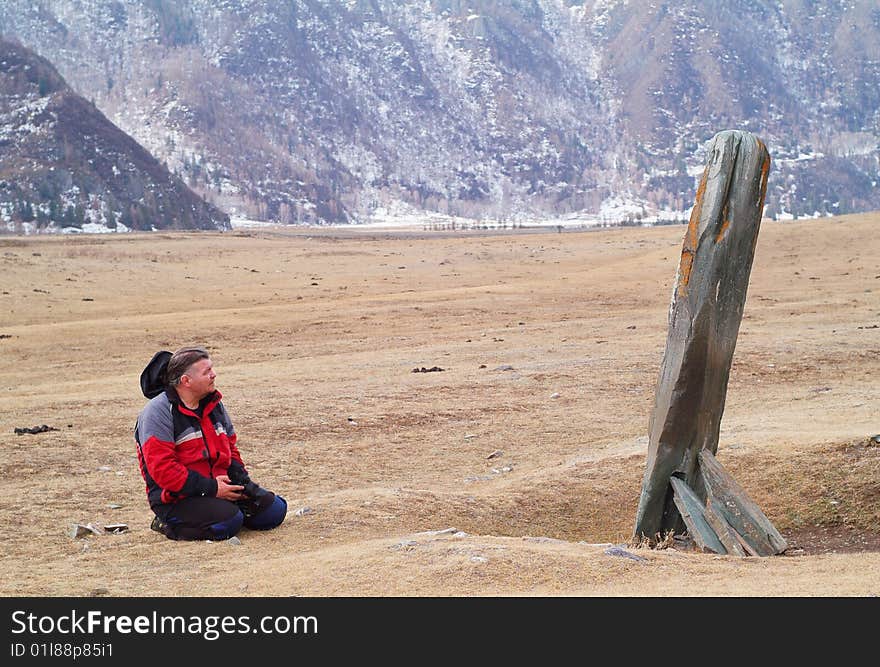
(201, 378)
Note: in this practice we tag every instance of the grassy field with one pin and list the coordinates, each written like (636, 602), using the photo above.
(530, 442)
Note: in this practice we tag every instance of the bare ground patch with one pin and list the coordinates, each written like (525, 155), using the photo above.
(530, 443)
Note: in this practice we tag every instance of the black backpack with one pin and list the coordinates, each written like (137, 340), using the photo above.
(153, 376)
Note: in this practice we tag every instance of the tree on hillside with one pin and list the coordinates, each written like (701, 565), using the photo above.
(26, 211)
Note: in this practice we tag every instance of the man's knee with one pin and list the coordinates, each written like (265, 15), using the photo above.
(226, 528)
(270, 517)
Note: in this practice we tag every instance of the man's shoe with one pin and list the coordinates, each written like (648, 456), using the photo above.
(158, 525)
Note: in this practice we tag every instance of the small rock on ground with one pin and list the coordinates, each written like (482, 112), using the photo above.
(116, 528)
(618, 551)
(406, 545)
(444, 531)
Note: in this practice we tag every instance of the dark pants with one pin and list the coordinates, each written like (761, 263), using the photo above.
(204, 518)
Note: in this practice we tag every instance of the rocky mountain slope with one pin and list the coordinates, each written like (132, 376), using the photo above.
(332, 111)
(64, 165)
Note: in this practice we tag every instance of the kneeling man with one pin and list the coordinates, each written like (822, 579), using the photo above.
(197, 484)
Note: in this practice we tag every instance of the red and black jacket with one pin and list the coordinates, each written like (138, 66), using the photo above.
(181, 452)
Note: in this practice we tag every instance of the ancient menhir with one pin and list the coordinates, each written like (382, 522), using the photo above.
(704, 319)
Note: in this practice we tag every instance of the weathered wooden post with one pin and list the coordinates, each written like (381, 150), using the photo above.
(704, 318)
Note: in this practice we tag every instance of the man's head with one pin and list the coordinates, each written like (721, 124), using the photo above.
(191, 372)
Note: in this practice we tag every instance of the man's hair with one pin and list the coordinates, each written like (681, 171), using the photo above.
(181, 361)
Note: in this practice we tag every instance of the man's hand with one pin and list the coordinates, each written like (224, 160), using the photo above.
(228, 491)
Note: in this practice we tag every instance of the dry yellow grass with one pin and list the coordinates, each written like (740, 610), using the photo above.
(315, 335)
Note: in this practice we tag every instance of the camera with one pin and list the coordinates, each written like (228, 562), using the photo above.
(253, 490)
(257, 498)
